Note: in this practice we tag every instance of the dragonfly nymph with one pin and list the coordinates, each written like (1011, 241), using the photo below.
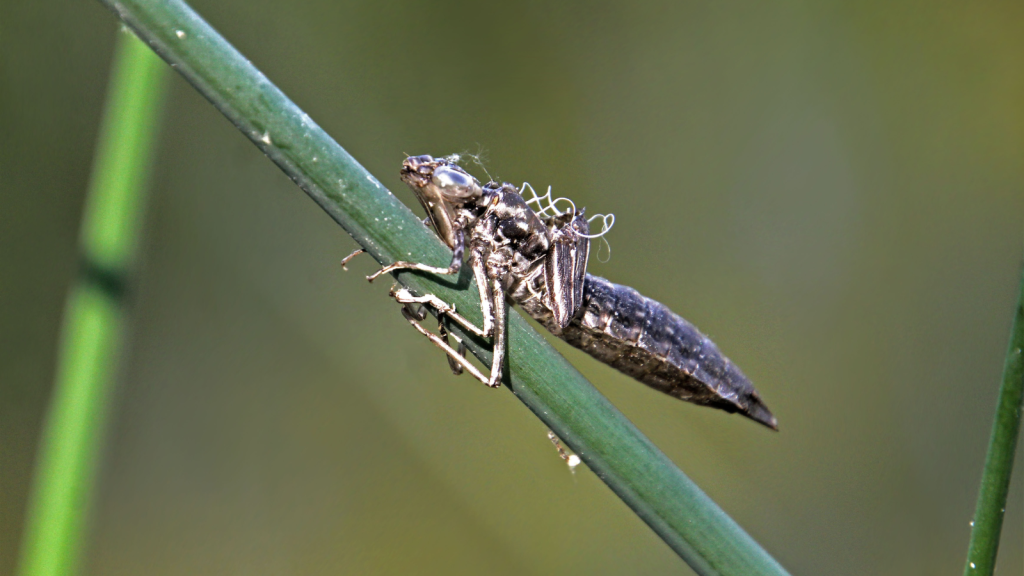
(538, 260)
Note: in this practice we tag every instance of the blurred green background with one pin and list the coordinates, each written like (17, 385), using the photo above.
(834, 193)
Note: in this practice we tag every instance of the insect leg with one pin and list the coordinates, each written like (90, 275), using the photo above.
(458, 356)
(477, 260)
(453, 355)
(499, 333)
(453, 268)
(404, 296)
(414, 308)
(347, 259)
(452, 363)
(410, 310)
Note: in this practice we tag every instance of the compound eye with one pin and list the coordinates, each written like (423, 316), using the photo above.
(453, 181)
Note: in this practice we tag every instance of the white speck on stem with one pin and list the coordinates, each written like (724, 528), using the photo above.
(265, 138)
(972, 565)
(972, 522)
(180, 34)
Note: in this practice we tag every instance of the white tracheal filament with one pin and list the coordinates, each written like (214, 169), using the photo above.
(547, 207)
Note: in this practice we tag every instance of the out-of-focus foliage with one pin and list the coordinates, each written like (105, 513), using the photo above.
(834, 193)
(72, 442)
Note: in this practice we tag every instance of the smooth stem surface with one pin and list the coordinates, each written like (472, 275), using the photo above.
(646, 480)
(995, 480)
(72, 440)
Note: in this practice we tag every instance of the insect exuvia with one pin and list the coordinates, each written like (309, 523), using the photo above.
(538, 260)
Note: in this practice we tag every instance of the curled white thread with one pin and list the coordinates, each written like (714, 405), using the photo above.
(545, 210)
(547, 207)
(607, 221)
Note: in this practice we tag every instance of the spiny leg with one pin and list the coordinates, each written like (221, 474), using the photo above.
(414, 314)
(500, 307)
(404, 296)
(347, 259)
(453, 355)
(453, 268)
(412, 311)
(407, 297)
(415, 309)
(452, 363)
(477, 260)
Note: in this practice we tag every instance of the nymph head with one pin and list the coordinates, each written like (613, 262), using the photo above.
(440, 179)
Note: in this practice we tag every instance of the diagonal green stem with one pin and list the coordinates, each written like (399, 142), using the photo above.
(93, 319)
(995, 480)
(646, 480)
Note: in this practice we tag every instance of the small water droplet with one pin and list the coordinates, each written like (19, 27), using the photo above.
(180, 34)
(972, 565)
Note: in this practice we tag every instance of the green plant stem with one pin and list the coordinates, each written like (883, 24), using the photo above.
(995, 480)
(72, 438)
(646, 480)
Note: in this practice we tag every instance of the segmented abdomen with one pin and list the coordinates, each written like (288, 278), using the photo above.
(644, 339)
